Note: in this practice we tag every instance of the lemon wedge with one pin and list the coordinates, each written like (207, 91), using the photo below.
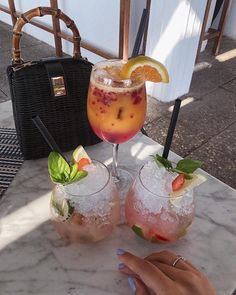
(189, 184)
(62, 209)
(78, 154)
(145, 68)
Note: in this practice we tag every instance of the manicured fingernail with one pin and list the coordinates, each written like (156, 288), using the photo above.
(120, 252)
(132, 284)
(121, 265)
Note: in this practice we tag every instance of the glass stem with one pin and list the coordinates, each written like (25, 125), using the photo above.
(114, 163)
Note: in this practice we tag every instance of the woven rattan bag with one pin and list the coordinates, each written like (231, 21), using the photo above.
(55, 89)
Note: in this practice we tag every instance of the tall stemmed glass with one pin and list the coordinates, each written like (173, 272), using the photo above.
(116, 109)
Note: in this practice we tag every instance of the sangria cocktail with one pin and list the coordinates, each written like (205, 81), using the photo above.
(116, 103)
(116, 107)
(86, 210)
(160, 207)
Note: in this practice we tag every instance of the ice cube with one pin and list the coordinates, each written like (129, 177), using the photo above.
(94, 193)
(156, 196)
(95, 180)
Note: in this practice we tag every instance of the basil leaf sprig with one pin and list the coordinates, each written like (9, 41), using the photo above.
(184, 166)
(61, 172)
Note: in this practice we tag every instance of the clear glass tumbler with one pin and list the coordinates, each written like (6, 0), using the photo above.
(87, 210)
(155, 215)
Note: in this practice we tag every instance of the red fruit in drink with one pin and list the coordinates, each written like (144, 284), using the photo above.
(161, 238)
(137, 99)
(155, 237)
(178, 182)
(82, 162)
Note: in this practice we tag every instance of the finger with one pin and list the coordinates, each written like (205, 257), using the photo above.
(125, 270)
(173, 273)
(168, 258)
(148, 273)
(137, 286)
(193, 268)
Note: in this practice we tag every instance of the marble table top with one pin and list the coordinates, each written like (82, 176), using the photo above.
(34, 260)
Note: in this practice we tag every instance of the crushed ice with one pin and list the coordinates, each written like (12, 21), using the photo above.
(91, 194)
(158, 181)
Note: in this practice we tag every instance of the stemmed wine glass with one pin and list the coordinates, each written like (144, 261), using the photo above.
(116, 110)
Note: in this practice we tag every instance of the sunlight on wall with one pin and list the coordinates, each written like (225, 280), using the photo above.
(25, 219)
(174, 28)
(173, 39)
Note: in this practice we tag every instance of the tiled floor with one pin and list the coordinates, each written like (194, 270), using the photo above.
(206, 128)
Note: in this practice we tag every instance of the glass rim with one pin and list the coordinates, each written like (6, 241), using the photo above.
(63, 187)
(122, 81)
(153, 193)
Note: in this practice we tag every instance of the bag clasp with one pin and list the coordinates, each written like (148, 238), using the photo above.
(58, 86)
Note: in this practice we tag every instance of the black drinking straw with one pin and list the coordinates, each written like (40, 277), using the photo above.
(171, 129)
(46, 134)
(142, 26)
(141, 29)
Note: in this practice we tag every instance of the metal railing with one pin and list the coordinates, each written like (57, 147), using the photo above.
(58, 35)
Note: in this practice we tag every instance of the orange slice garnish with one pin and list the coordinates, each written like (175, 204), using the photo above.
(146, 69)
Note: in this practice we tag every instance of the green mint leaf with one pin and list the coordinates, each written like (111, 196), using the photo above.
(73, 171)
(157, 162)
(162, 162)
(67, 208)
(56, 206)
(188, 166)
(71, 208)
(58, 168)
(64, 209)
(78, 176)
(187, 176)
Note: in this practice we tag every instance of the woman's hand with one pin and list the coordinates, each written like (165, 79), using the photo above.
(156, 272)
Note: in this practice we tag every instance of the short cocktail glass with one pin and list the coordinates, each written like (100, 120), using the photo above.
(116, 108)
(87, 210)
(152, 213)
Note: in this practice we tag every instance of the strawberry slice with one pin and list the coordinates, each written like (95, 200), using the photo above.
(157, 238)
(82, 162)
(178, 182)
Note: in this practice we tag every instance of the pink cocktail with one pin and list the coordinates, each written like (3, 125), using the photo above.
(152, 212)
(87, 210)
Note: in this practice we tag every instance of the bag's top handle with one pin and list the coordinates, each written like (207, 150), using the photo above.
(41, 11)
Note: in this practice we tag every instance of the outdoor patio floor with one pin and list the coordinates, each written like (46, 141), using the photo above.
(206, 128)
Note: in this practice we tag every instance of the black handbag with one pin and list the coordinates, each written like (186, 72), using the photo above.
(54, 89)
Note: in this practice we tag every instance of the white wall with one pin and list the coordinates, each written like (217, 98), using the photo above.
(173, 37)
(94, 23)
